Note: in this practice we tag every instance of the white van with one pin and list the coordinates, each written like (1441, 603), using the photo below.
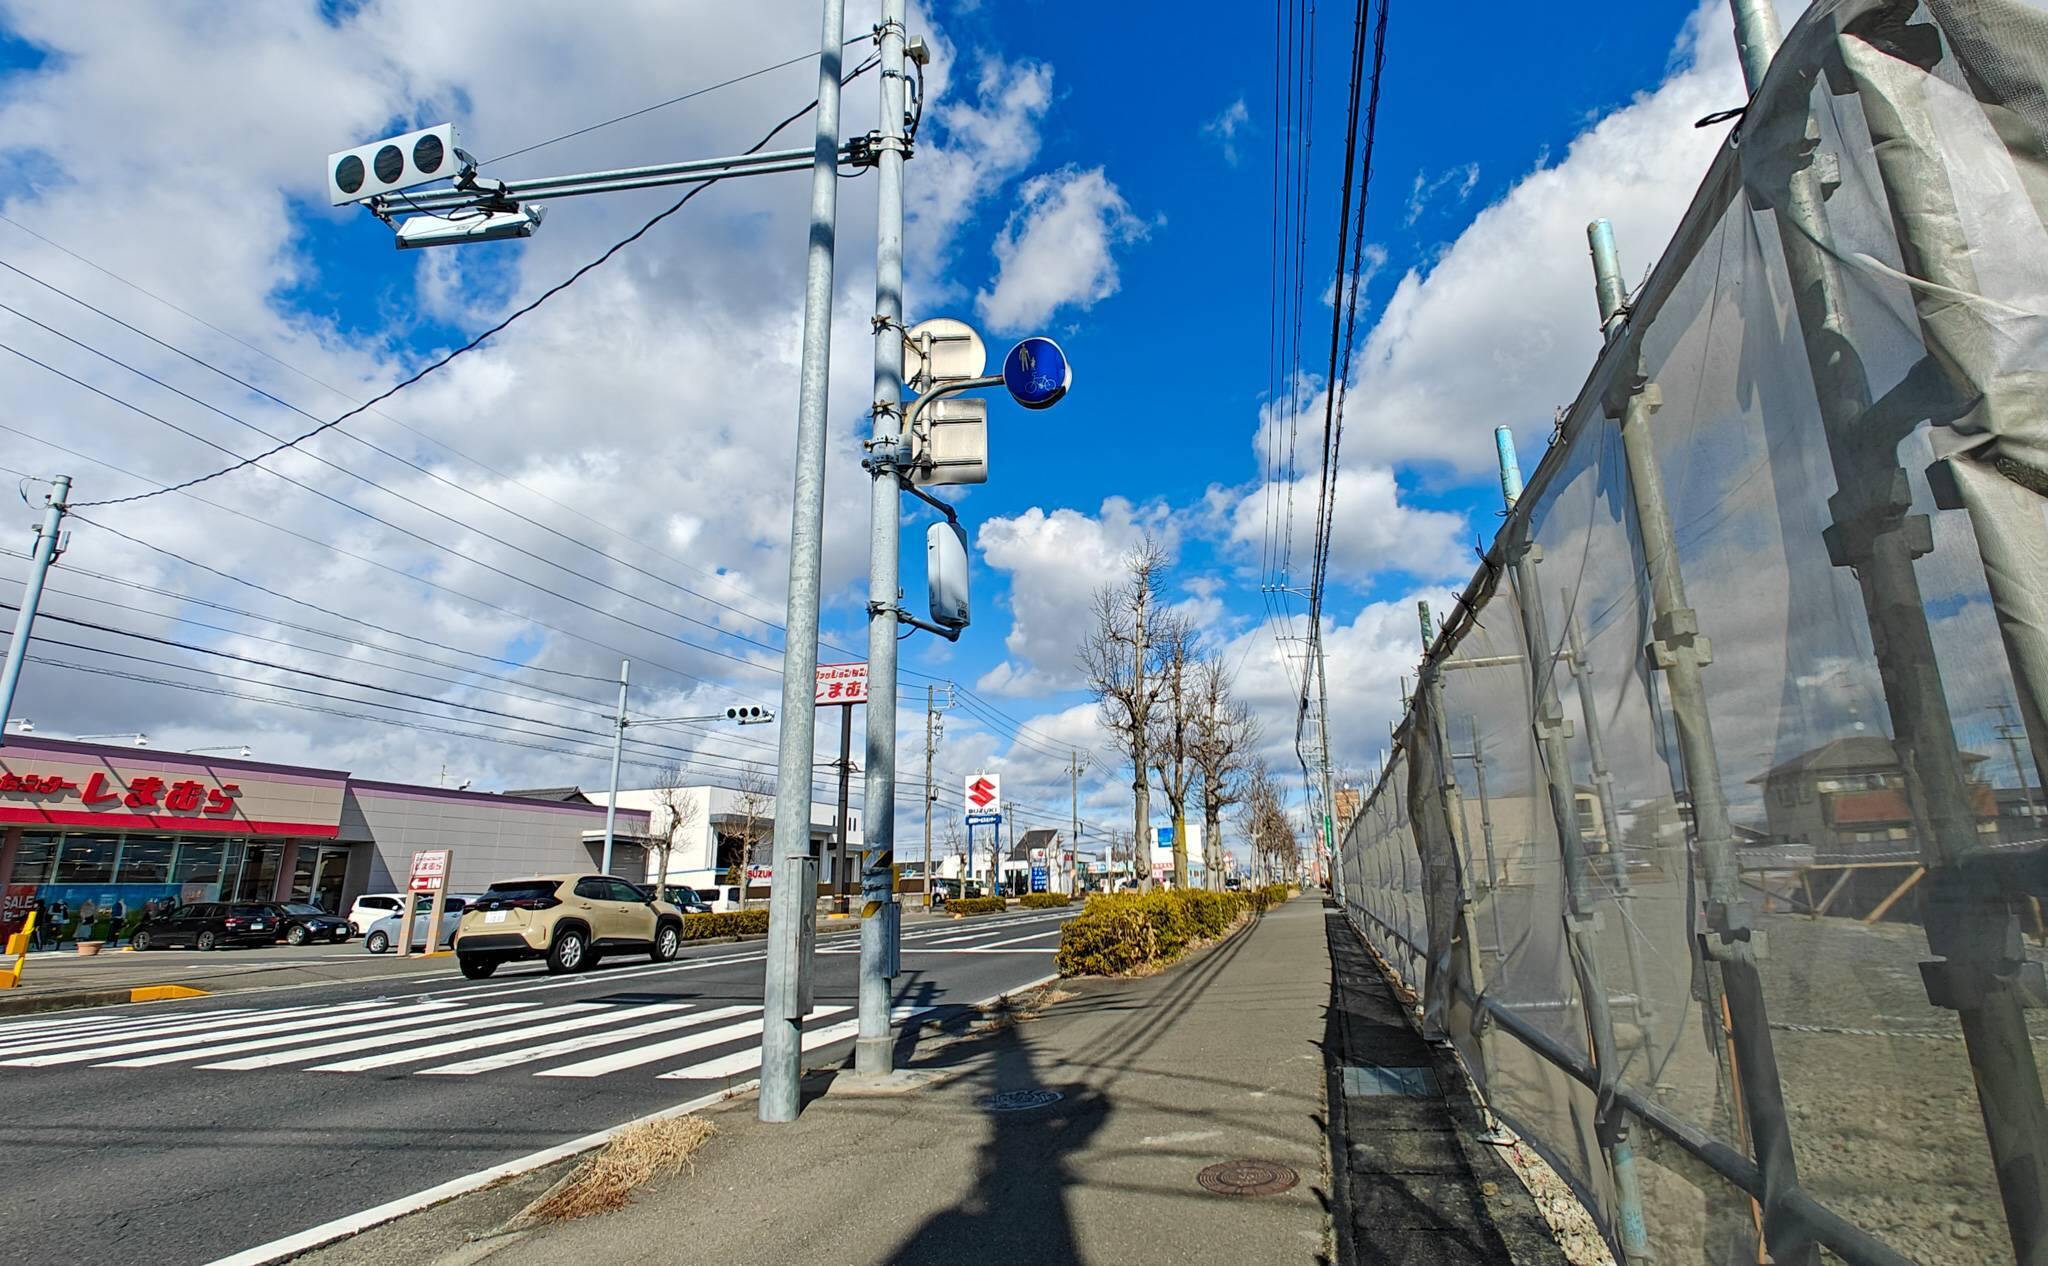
(720, 897)
(372, 906)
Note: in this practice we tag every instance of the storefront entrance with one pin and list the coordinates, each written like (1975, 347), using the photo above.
(318, 874)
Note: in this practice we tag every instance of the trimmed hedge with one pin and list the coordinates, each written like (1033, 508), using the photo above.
(1264, 899)
(977, 905)
(1122, 932)
(1042, 900)
(698, 927)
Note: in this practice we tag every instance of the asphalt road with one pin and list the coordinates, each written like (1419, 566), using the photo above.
(183, 1132)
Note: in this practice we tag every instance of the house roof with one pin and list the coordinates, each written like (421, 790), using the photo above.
(565, 795)
(1857, 751)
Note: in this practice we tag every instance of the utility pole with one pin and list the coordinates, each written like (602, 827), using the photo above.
(45, 552)
(874, 1048)
(1323, 742)
(2012, 732)
(1074, 831)
(793, 912)
(840, 837)
(931, 725)
(611, 802)
(1142, 811)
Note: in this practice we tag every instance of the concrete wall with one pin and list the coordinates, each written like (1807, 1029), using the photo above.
(494, 837)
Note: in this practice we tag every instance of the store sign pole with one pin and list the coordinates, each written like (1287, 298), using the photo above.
(429, 875)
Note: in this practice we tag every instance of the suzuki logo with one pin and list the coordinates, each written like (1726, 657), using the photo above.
(980, 792)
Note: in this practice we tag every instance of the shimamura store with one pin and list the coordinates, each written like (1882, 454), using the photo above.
(117, 827)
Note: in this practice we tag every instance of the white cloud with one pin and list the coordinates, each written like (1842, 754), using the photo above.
(1459, 181)
(1223, 129)
(1056, 560)
(1373, 533)
(1058, 249)
(1502, 327)
(975, 146)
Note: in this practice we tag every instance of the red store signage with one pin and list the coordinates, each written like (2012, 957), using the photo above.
(103, 794)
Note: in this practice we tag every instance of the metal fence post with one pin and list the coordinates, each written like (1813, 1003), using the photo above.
(792, 913)
(1680, 652)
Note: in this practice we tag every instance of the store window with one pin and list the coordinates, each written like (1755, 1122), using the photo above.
(86, 859)
(199, 862)
(35, 861)
(145, 859)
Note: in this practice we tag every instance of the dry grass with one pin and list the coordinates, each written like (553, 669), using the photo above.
(606, 1181)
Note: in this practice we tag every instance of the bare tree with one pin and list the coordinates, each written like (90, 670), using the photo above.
(1224, 730)
(1265, 825)
(680, 809)
(1116, 656)
(755, 806)
(1171, 741)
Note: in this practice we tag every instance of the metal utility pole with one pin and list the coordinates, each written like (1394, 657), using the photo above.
(1323, 741)
(931, 724)
(873, 1050)
(40, 558)
(839, 835)
(1074, 829)
(2012, 732)
(1141, 787)
(786, 996)
(611, 802)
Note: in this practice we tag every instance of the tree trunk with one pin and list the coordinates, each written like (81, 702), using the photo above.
(1141, 849)
(1212, 851)
(1180, 847)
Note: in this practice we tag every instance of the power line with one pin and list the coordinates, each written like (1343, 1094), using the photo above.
(449, 357)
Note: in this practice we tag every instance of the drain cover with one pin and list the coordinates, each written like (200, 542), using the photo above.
(1019, 1100)
(1247, 1178)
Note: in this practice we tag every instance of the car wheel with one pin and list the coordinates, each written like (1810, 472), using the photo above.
(667, 944)
(476, 967)
(570, 952)
(378, 943)
(205, 941)
(139, 941)
(297, 935)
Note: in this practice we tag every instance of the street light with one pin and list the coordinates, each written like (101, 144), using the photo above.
(140, 740)
(239, 749)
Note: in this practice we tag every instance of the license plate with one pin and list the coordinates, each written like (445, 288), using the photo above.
(494, 916)
(258, 927)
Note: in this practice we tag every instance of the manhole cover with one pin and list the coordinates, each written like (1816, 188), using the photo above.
(1020, 1100)
(1247, 1178)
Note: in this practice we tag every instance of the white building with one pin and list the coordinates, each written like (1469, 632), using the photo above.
(715, 824)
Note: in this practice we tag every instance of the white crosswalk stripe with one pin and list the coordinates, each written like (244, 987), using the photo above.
(580, 1015)
(462, 1021)
(639, 1055)
(577, 1045)
(249, 1025)
(397, 1017)
(12, 1042)
(726, 1067)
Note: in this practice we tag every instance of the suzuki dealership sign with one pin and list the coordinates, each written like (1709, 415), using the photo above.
(985, 793)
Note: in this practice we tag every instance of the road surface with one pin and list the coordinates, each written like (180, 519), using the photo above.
(180, 1133)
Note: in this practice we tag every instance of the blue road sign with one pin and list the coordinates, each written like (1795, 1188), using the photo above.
(1038, 878)
(1037, 373)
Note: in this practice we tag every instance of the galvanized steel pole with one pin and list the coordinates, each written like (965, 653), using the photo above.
(40, 559)
(791, 912)
(611, 802)
(873, 1051)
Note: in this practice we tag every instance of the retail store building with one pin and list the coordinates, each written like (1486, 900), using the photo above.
(126, 828)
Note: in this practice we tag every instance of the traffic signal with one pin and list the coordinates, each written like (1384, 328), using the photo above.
(398, 162)
(749, 715)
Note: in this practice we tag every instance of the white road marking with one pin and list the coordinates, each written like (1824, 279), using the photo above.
(396, 1016)
(469, 1019)
(581, 1015)
(240, 1026)
(662, 1050)
(747, 1061)
(11, 1044)
(576, 1045)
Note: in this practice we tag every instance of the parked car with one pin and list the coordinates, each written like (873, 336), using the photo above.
(207, 925)
(718, 898)
(569, 920)
(298, 923)
(382, 936)
(687, 899)
(372, 906)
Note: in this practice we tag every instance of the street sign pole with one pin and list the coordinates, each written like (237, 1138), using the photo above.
(874, 1049)
(840, 837)
(792, 913)
(45, 553)
(611, 802)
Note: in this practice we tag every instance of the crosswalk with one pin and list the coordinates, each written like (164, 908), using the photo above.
(438, 1036)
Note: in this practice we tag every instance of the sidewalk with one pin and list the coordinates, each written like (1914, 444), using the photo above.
(1220, 1058)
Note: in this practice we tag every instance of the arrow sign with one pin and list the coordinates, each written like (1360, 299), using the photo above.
(984, 790)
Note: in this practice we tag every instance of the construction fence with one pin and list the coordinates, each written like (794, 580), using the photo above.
(1713, 834)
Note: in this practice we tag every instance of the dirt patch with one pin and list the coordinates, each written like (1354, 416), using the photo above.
(606, 1181)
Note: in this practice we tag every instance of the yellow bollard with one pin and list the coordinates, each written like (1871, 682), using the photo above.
(17, 948)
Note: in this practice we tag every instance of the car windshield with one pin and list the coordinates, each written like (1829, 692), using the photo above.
(521, 890)
(250, 912)
(304, 911)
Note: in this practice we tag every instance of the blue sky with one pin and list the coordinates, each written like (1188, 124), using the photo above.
(1103, 175)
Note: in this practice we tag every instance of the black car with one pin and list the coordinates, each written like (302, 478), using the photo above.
(685, 898)
(208, 925)
(299, 923)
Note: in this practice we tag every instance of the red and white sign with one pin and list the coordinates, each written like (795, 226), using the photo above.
(842, 683)
(984, 790)
(149, 792)
(430, 870)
